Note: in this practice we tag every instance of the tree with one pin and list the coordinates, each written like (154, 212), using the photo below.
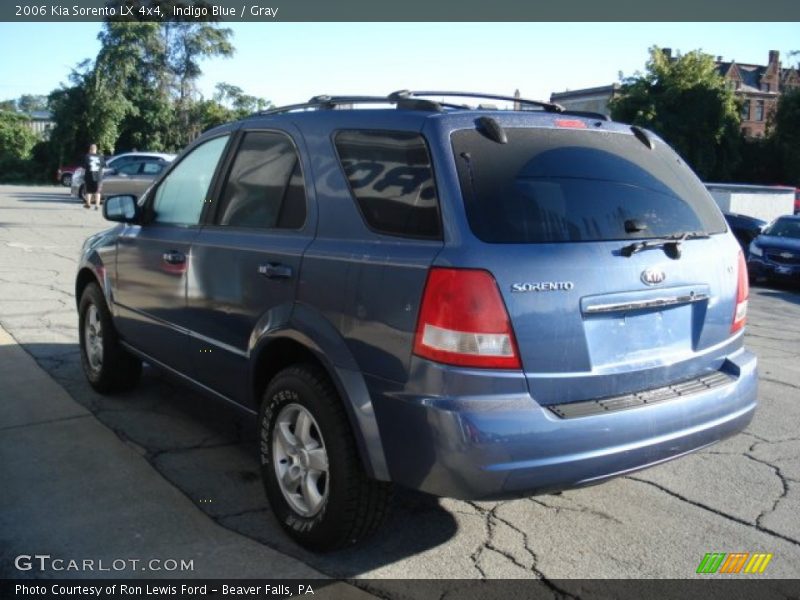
(29, 103)
(234, 98)
(70, 136)
(786, 135)
(16, 138)
(132, 55)
(156, 65)
(687, 103)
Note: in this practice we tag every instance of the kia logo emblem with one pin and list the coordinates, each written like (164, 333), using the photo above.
(653, 276)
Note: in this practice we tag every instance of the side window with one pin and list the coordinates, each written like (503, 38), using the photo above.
(390, 175)
(128, 169)
(265, 188)
(152, 168)
(180, 197)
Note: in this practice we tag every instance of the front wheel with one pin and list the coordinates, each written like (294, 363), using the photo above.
(106, 364)
(66, 179)
(310, 465)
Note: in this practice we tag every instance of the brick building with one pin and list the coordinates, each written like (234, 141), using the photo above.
(758, 86)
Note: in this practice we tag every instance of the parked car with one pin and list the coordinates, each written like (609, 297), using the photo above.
(745, 228)
(64, 174)
(474, 303)
(133, 178)
(115, 163)
(775, 254)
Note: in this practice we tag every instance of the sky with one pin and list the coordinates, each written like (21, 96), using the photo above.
(290, 62)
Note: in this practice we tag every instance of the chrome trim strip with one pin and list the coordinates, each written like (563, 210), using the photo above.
(640, 304)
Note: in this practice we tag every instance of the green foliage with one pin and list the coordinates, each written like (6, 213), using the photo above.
(687, 103)
(786, 136)
(28, 103)
(16, 143)
(140, 90)
(16, 138)
(241, 104)
(70, 137)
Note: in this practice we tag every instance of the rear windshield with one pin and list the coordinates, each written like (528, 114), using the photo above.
(558, 185)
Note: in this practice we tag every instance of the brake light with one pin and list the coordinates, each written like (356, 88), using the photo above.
(463, 321)
(573, 123)
(742, 293)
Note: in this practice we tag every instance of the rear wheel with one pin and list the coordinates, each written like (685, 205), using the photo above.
(310, 466)
(106, 364)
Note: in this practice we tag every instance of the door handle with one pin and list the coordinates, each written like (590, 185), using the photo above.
(275, 271)
(173, 257)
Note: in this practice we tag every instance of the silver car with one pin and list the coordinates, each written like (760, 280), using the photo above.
(120, 164)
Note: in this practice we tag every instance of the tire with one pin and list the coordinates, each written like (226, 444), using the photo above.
(107, 365)
(82, 193)
(350, 505)
(66, 179)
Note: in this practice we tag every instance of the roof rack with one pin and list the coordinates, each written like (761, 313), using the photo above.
(416, 100)
(547, 106)
(325, 102)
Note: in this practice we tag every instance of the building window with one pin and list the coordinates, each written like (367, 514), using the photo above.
(765, 87)
(759, 110)
(746, 110)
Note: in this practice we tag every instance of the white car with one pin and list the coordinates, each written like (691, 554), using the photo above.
(117, 162)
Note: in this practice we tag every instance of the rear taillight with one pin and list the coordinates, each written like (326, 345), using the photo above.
(742, 292)
(463, 321)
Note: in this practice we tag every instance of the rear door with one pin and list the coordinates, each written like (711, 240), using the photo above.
(557, 213)
(247, 260)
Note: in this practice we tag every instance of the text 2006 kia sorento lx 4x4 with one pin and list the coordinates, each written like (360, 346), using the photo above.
(476, 303)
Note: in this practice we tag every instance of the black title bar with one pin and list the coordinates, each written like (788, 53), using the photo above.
(230, 11)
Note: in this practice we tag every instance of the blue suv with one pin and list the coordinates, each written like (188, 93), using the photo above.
(473, 302)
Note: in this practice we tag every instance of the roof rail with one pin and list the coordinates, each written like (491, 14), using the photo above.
(547, 106)
(325, 102)
(414, 100)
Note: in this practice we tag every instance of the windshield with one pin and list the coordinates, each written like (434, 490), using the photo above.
(789, 228)
(557, 185)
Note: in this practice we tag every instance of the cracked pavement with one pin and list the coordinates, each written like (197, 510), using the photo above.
(742, 495)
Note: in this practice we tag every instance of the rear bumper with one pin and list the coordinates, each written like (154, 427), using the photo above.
(500, 443)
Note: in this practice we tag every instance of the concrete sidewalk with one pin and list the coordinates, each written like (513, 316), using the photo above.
(73, 490)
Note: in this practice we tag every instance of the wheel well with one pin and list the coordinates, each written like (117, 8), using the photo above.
(274, 358)
(85, 277)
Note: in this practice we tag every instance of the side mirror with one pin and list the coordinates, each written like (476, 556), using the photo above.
(121, 208)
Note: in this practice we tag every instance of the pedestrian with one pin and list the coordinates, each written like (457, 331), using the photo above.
(93, 165)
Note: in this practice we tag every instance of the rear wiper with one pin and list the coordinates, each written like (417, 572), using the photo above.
(671, 244)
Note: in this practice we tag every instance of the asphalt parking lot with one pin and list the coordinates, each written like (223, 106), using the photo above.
(742, 495)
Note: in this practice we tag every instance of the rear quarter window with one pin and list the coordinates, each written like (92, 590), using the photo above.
(558, 185)
(391, 179)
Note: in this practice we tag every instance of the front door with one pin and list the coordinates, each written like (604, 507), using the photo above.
(154, 259)
(247, 259)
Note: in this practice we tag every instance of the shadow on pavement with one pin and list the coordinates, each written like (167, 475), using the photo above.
(781, 290)
(63, 197)
(207, 449)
